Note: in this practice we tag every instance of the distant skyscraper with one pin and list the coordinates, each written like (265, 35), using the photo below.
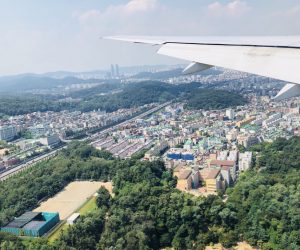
(117, 70)
(112, 71)
(230, 114)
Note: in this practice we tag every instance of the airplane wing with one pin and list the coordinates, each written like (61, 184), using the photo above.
(275, 57)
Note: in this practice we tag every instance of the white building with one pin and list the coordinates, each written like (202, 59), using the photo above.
(233, 156)
(38, 130)
(73, 218)
(7, 132)
(230, 114)
(258, 121)
(272, 120)
(245, 161)
(223, 155)
(50, 140)
(232, 135)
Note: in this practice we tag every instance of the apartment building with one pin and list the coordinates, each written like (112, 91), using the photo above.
(7, 132)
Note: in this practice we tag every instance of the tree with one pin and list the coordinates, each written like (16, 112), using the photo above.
(103, 198)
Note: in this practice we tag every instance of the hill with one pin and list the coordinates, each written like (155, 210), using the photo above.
(125, 96)
(264, 198)
(20, 83)
(159, 75)
(138, 94)
(212, 99)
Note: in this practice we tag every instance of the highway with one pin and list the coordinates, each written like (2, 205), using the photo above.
(8, 173)
(103, 132)
(29, 163)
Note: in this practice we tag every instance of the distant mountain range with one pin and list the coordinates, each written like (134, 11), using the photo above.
(50, 80)
(130, 70)
(27, 82)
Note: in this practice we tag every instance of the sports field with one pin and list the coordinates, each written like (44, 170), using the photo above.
(72, 197)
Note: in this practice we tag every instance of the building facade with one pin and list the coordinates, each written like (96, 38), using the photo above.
(7, 133)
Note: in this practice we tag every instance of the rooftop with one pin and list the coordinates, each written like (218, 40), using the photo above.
(184, 174)
(213, 173)
(23, 219)
(222, 163)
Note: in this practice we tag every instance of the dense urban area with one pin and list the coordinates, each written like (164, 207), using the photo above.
(204, 161)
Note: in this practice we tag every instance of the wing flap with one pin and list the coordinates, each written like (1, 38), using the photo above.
(279, 63)
(195, 67)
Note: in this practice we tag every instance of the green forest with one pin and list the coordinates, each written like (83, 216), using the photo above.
(147, 212)
(130, 95)
(212, 99)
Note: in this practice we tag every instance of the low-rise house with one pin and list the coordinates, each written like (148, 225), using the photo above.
(226, 165)
(213, 180)
(177, 170)
(184, 181)
(188, 179)
(247, 140)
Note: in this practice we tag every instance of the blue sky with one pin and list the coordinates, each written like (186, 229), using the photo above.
(40, 36)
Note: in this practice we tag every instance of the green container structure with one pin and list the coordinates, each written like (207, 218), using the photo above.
(33, 224)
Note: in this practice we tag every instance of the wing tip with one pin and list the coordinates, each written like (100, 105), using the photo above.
(135, 39)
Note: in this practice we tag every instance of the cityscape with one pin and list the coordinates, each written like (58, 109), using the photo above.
(197, 142)
(150, 125)
(206, 150)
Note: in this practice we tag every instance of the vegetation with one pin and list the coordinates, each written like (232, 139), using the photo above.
(80, 161)
(89, 206)
(103, 198)
(137, 94)
(21, 83)
(213, 99)
(131, 95)
(266, 201)
(147, 212)
(21, 104)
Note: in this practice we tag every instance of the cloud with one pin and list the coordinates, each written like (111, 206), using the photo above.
(132, 16)
(90, 14)
(141, 5)
(234, 9)
(216, 6)
(130, 8)
(295, 10)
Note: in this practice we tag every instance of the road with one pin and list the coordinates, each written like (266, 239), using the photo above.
(29, 163)
(103, 132)
(93, 137)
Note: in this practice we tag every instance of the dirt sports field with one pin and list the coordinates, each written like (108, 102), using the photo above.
(72, 197)
(240, 246)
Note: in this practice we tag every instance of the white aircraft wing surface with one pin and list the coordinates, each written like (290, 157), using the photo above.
(275, 57)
